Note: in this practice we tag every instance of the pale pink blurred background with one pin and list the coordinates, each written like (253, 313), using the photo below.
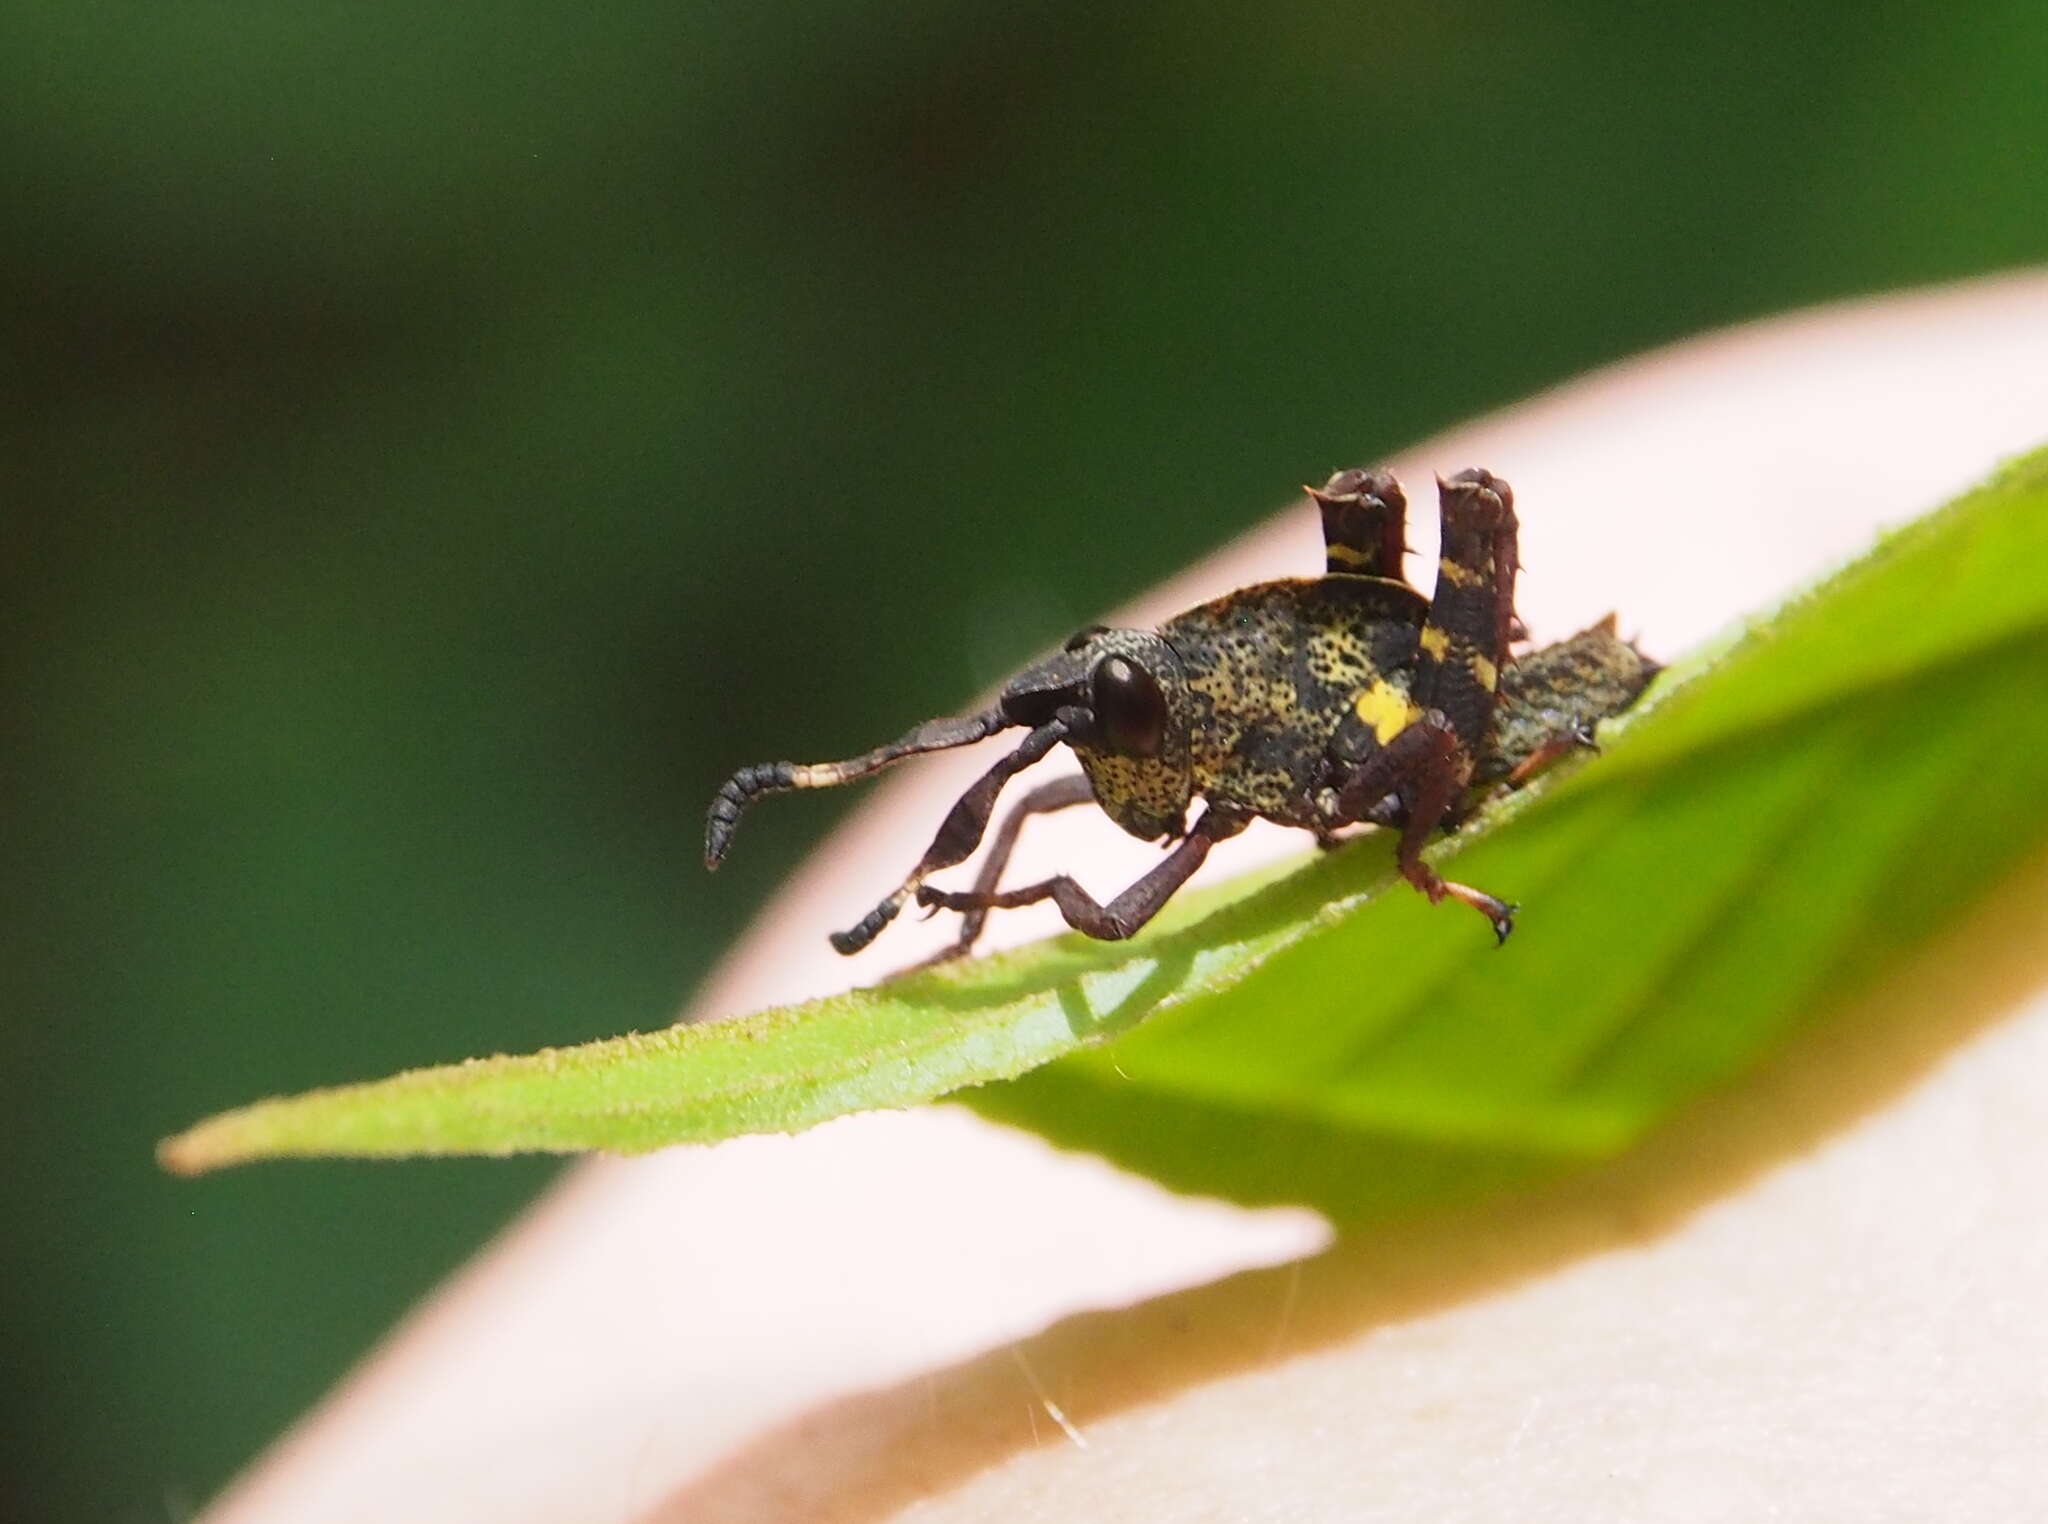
(654, 1319)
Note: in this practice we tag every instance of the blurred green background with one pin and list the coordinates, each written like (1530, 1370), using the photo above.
(436, 444)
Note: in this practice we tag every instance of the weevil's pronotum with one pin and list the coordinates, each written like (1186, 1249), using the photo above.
(1316, 702)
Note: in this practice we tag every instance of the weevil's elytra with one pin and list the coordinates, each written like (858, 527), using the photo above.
(1313, 702)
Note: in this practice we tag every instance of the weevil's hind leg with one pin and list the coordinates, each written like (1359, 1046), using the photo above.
(1059, 794)
(959, 834)
(1578, 738)
(1464, 643)
(1426, 766)
(1365, 523)
(1123, 916)
(1420, 773)
(1553, 699)
(750, 783)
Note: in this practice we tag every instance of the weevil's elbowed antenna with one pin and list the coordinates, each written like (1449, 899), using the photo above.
(961, 831)
(749, 783)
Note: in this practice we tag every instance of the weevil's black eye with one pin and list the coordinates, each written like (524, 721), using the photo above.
(1081, 638)
(1129, 707)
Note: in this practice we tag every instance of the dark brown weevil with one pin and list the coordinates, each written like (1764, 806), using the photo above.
(1316, 702)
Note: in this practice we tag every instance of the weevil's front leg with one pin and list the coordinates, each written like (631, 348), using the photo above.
(1426, 766)
(959, 834)
(1464, 643)
(1060, 794)
(1365, 523)
(1123, 916)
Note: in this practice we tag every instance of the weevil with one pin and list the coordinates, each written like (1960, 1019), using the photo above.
(1317, 702)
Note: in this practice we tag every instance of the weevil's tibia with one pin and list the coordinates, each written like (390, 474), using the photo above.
(959, 834)
(1059, 794)
(749, 783)
(1579, 738)
(1123, 916)
(1425, 765)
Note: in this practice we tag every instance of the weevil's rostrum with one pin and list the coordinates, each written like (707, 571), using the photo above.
(1319, 702)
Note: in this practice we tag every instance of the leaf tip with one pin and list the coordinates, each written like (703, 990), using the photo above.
(215, 1143)
(188, 1153)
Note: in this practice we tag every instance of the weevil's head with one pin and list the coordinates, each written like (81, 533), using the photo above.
(1126, 699)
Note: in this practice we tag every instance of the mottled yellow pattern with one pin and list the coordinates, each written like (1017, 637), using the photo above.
(1386, 709)
(1272, 670)
(1143, 796)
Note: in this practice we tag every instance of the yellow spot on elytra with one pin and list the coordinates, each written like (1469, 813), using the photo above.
(1386, 709)
(1458, 576)
(1487, 673)
(1347, 555)
(1436, 641)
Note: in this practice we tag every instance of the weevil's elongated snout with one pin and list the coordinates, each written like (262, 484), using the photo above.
(749, 783)
(1041, 690)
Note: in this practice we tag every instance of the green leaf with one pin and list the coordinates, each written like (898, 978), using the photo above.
(1783, 816)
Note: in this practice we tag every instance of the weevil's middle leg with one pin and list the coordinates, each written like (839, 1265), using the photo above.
(959, 834)
(1427, 766)
(1059, 794)
(1123, 916)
